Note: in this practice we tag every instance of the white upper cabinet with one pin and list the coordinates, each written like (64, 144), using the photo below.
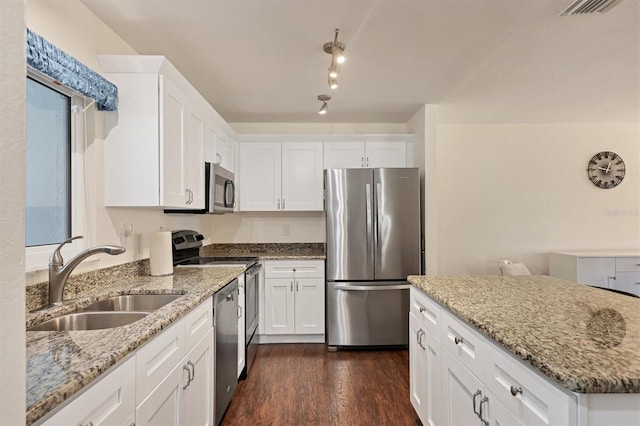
(353, 155)
(278, 176)
(157, 141)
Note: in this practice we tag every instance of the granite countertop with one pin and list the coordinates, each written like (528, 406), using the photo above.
(268, 251)
(585, 339)
(61, 363)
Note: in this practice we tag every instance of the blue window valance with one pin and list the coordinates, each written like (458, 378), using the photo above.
(46, 58)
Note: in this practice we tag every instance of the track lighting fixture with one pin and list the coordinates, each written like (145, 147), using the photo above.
(324, 99)
(336, 50)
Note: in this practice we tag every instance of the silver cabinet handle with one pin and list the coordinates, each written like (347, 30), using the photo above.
(484, 399)
(361, 161)
(421, 334)
(296, 285)
(193, 371)
(368, 220)
(239, 312)
(475, 395)
(291, 285)
(186, 368)
(367, 164)
(421, 309)
(89, 424)
(372, 287)
(229, 296)
(458, 340)
(283, 204)
(186, 191)
(278, 208)
(515, 391)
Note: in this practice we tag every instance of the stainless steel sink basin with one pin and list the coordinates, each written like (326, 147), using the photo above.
(89, 321)
(133, 302)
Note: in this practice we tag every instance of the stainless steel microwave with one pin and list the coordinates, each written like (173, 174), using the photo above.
(219, 192)
(220, 189)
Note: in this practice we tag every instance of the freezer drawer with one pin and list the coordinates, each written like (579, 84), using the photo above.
(367, 313)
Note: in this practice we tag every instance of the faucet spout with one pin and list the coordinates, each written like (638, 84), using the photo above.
(59, 272)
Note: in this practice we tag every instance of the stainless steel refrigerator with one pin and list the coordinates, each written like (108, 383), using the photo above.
(373, 243)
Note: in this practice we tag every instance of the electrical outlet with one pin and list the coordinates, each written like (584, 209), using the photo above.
(286, 230)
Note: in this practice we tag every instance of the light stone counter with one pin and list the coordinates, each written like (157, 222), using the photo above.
(60, 364)
(584, 338)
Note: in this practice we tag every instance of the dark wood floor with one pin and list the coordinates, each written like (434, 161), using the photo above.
(303, 384)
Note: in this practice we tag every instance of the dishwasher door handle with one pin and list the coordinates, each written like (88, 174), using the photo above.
(372, 287)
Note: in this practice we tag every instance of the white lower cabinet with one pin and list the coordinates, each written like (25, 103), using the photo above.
(241, 325)
(111, 401)
(455, 369)
(294, 297)
(425, 379)
(169, 381)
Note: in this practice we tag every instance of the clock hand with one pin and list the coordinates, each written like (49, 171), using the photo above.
(608, 167)
(602, 168)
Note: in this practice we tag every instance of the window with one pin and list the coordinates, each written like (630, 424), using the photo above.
(54, 179)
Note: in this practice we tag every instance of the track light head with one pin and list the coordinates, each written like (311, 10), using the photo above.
(333, 83)
(324, 99)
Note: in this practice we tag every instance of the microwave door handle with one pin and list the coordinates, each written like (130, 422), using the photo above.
(228, 185)
(233, 194)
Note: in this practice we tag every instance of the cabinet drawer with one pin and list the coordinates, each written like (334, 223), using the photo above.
(198, 323)
(427, 312)
(157, 358)
(287, 269)
(627, 281)
(465, 344)
(531, 398)
(627, 264)
(109, 402)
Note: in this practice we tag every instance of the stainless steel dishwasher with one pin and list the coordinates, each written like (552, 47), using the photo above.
(225, 322)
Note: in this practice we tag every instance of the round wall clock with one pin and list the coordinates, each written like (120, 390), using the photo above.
(606, 170)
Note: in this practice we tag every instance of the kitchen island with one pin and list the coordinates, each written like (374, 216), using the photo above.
(578, 342)
(60, 364)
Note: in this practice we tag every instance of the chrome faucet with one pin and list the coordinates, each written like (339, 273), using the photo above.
(59, 272)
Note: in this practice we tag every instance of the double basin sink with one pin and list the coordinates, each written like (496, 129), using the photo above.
(113, 312)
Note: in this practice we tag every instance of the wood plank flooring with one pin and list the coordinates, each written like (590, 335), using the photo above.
(303, 384)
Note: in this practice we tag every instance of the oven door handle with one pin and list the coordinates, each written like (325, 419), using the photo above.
(372, 287)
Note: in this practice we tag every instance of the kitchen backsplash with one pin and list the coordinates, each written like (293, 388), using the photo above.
(37, 294)
(264, 249)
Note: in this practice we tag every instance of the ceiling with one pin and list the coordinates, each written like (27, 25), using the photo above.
(481, 60)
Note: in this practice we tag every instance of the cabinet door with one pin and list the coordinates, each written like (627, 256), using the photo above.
(417, 368)
(627, 281)
(459, 390)
(596, 271)
(172, 145)
(197, 397)
(279, 306)
(111, 401)
(343, 155)
(385, 154)
(260, 176)
(241, 324)
(302, 178)
(194, 159)
(497, 414)
(162, 406)
(309, 306)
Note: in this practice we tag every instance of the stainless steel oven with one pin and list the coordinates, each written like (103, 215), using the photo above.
(252, 296)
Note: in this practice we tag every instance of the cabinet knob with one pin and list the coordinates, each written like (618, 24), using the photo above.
(422, 309)
(458, 340)
(278, 204)
(283, 204)
(515, 391)
(475, 395)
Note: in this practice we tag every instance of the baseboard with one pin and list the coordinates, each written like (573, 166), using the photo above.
(289, 338)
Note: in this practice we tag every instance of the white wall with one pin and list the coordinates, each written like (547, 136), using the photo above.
(12, 183)
(76, 30)
(268, 227)
(520, 191)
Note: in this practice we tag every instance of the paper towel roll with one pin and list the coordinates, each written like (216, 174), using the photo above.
(160, 256)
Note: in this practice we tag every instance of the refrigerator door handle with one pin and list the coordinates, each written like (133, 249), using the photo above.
(372, 287)
(379, 218)
(368, 223)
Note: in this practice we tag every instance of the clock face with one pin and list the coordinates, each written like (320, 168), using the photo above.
(606, 169)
